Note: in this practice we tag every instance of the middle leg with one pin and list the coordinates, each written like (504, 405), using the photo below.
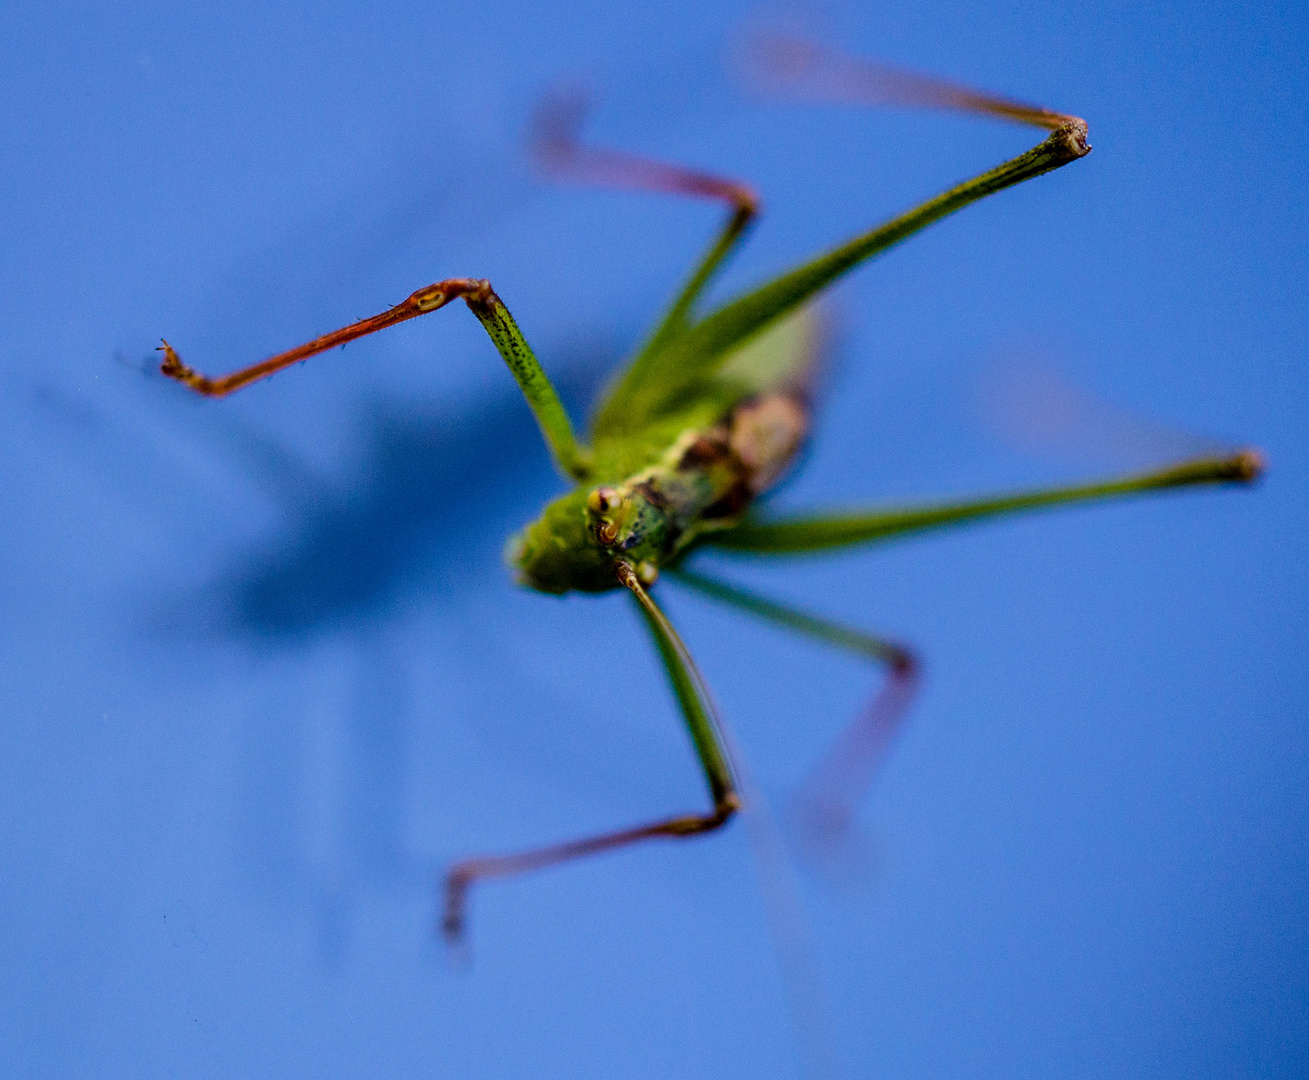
(560, 152)
(828, 798)
(697, 709)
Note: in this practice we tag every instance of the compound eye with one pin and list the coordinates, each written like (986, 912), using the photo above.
(607, 533)
(602, 499)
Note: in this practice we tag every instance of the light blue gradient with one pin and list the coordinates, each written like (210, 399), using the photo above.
(264, 675)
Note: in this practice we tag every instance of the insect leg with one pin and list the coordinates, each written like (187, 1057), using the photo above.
(821, 532)
(559, 152)
(796, 68)
(697, 708)
(829, 796)
(697, 354)
(571, 457)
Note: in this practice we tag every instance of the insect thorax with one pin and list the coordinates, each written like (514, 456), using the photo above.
(704, 481)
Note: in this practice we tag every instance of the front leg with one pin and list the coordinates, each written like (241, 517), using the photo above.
(572, 458)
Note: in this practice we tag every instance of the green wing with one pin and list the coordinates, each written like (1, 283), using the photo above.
(781, 356)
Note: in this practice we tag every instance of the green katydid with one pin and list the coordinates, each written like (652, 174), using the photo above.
(702, 421)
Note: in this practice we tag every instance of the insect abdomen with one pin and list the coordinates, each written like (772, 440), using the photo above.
(705, 481)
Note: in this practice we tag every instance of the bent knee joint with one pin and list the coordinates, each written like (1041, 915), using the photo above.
(724, 810)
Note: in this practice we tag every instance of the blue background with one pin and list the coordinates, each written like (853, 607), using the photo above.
(263, 674)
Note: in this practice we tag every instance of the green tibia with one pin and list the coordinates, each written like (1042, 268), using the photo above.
(674, 374)
(697, 706)
(819, 532)
(843, 637)
(572, 458)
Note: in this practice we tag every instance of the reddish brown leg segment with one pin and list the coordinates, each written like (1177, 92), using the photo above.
(561, 155)
(698, 712)
(420, 303)
(573, 459)
(464, 874)
(826, 802)
(800, 68)
(559, 152)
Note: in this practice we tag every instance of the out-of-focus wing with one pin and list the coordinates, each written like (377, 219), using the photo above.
(782, 357)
